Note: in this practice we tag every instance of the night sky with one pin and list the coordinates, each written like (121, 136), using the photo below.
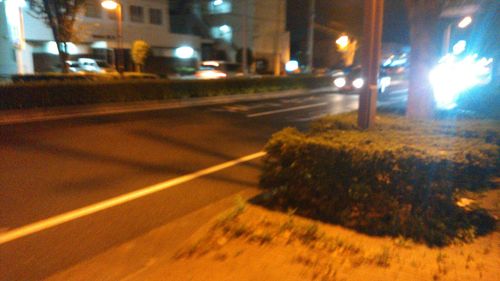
(346, 15)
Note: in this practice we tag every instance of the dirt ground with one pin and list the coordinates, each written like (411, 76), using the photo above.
(252, 243)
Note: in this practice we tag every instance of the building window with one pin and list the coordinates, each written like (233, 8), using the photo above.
(224, 32)
(136, 14)
(93, 9)
(219, 6)
(111, 14)
(155, 16)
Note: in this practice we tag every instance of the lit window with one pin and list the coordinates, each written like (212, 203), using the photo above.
(136, 13)
(219, 6)
(155, 16)
(93, 9)
(224, 32)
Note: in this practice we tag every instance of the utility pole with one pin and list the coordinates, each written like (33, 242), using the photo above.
(372, 45)
(244, 52)
(310, 36)
(277, 41)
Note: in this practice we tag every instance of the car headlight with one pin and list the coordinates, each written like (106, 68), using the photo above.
(358, 83)
(339, 82)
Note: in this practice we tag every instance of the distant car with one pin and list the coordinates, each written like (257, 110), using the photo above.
(88, 65)
(208, 72)
(218, 69)
(350, 79)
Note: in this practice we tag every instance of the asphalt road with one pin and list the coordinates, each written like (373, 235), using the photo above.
(54, 167)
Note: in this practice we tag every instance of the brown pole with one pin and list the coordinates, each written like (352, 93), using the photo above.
(372, 45)
(244, 50)
(120, 38)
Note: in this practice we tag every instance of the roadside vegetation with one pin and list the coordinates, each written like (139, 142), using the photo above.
(402, 178)
(62, 93)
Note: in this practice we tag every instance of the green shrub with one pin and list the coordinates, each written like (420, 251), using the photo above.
(400, 179)
(60, 93)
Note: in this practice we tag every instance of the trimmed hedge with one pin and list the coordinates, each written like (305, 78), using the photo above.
(55, 76)
(61, 93)
(399, 179)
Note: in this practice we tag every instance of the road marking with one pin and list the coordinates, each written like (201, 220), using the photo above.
(286, 109)
(118, 200)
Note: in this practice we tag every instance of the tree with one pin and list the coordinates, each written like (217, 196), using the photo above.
(60, 16)
(140, 50)
(423, 17)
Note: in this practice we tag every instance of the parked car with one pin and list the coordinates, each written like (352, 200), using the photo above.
(350, 79)
(88, 65)
(73, 66)
(105, 67)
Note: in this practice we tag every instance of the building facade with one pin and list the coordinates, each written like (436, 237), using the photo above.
(27, 44)
(260, 25)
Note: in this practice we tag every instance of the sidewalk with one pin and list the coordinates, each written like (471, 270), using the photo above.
(67, 112)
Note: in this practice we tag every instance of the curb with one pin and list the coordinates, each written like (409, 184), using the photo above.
(9, 117)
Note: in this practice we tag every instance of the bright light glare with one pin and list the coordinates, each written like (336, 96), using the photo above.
(343, 41)
(225, 28)
(384, 83)
(459, 47)
(292, 65)
(211, 74)
(218, 2)
(51, 48)
(109, 4)
(210, 63)
(451, 77)
(358, 83)
(184, 52)
(339, 82)
(465, 22)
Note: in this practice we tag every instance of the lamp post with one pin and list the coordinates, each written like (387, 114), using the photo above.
(464, 23)
(116, 6)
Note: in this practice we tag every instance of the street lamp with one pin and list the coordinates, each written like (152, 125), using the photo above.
(116, 6)
(342, 42)
(465, 22)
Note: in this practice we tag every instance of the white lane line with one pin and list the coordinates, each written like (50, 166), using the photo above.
(286, 109)
(118, 200)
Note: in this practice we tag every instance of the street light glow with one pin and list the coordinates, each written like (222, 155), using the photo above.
(184, 52)
(109, 4)
(465, 22)
(459, 47)
(343, 41)
(225, 28)
(292, 66)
